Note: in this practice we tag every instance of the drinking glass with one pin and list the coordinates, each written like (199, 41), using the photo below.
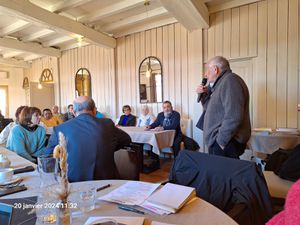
(87, 200)
(47, 198)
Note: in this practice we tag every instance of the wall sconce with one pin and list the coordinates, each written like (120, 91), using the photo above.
(149, 70)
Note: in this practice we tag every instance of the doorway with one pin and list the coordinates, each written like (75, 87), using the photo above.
(4, 100)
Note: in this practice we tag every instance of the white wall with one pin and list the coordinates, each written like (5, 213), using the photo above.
(16, 93)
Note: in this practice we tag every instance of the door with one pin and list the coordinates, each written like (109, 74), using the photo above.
(4, 100)
(42, 97)
(245, 70)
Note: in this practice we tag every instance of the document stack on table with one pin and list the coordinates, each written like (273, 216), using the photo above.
(166, 200)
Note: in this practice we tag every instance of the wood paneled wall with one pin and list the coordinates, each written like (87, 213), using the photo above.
(174, 47)
(180, 53)
(266, 35)
(101, 64)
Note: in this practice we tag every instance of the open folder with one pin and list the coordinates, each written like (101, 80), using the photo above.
(170, 198)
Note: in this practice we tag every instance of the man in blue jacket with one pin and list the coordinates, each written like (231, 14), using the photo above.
(169, 119)
(91, 143)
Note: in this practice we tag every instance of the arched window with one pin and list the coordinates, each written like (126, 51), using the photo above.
(46, 76)
(83, 83)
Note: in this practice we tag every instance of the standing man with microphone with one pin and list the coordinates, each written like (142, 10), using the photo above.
(225, 120)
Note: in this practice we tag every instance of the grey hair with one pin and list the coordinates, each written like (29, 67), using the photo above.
(145, 107)
(220, 62)
(88, 105)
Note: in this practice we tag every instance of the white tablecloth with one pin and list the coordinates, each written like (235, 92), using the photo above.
(158, 139)
(261, 142)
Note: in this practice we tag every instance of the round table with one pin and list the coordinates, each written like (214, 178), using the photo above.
(196, 212)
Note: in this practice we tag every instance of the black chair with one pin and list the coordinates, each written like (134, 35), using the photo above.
(237, 187)
(127, 164)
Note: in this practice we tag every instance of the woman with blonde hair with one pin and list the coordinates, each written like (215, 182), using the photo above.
(146, 118)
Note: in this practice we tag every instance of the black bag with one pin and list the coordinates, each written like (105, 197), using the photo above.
(190, 143)
(277, 159)
(290, 169)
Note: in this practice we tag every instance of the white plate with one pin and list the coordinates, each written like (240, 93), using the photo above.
(13, 180)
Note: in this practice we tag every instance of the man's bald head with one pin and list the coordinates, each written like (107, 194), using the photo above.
(84, 104)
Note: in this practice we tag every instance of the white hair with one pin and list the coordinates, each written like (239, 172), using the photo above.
(220, 62)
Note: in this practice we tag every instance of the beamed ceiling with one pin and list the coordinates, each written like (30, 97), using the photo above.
(31, 29)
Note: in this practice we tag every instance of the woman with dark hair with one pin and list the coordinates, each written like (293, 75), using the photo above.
(127, 119)
(27, 138)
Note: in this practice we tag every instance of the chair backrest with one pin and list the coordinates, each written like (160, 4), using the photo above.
(224, 182)
(127, 164)
(186, 127)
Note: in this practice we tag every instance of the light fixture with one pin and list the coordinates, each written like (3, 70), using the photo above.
(149, 69)
(79, 41)
(40, 86)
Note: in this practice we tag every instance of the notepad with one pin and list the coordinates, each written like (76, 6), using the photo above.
(170, 198)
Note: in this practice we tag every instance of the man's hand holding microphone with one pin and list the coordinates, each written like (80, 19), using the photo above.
(202, 89)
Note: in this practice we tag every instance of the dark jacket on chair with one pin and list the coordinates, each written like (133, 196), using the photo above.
(131, 121)
(91, 144)
(225, 182)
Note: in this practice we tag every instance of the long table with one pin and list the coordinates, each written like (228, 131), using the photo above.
(157, 139)
(197, 212)
(268, 144)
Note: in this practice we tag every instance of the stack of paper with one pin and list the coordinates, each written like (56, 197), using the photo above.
(169, 199)
(120, 220)
(131, 193)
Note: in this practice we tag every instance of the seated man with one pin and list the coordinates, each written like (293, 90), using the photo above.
(70, 114)
(49, 120)
(91, 143)
(56, 113)
(169, 119)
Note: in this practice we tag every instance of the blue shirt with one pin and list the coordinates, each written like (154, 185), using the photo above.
(125, 118)
(99, 115)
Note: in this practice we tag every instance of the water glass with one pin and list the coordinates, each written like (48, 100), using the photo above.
(87, 200)
(48, 170)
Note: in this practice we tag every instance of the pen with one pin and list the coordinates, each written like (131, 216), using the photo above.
(103, 187)
(128, 208)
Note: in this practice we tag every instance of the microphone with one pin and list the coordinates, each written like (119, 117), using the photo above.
(204, 81)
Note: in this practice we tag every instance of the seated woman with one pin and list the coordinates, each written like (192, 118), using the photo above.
(27, 138)
(127, 119)
(146, 118)
(5, 132)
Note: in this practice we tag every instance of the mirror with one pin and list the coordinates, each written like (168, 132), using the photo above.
(83, 83)
(150, 80)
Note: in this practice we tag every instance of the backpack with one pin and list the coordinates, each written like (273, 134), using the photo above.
(277, 158)
(290, 169)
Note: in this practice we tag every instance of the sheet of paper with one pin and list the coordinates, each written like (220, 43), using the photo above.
(147, 205)
(119, 220)
(131, 193)
(159, 223)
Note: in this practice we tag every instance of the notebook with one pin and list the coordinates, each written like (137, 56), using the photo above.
(170, 198)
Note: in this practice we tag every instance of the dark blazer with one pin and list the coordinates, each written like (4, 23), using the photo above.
(91, 143)
(174, 125)
(131, 121)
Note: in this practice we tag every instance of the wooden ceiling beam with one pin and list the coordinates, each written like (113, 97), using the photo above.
(229, 5)
(192, 14)
(14, 27)
(28, 47)
(67, 4)
(111, 10)
(134, 19)
(31, 12)
(14, 63)
(38, 34)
